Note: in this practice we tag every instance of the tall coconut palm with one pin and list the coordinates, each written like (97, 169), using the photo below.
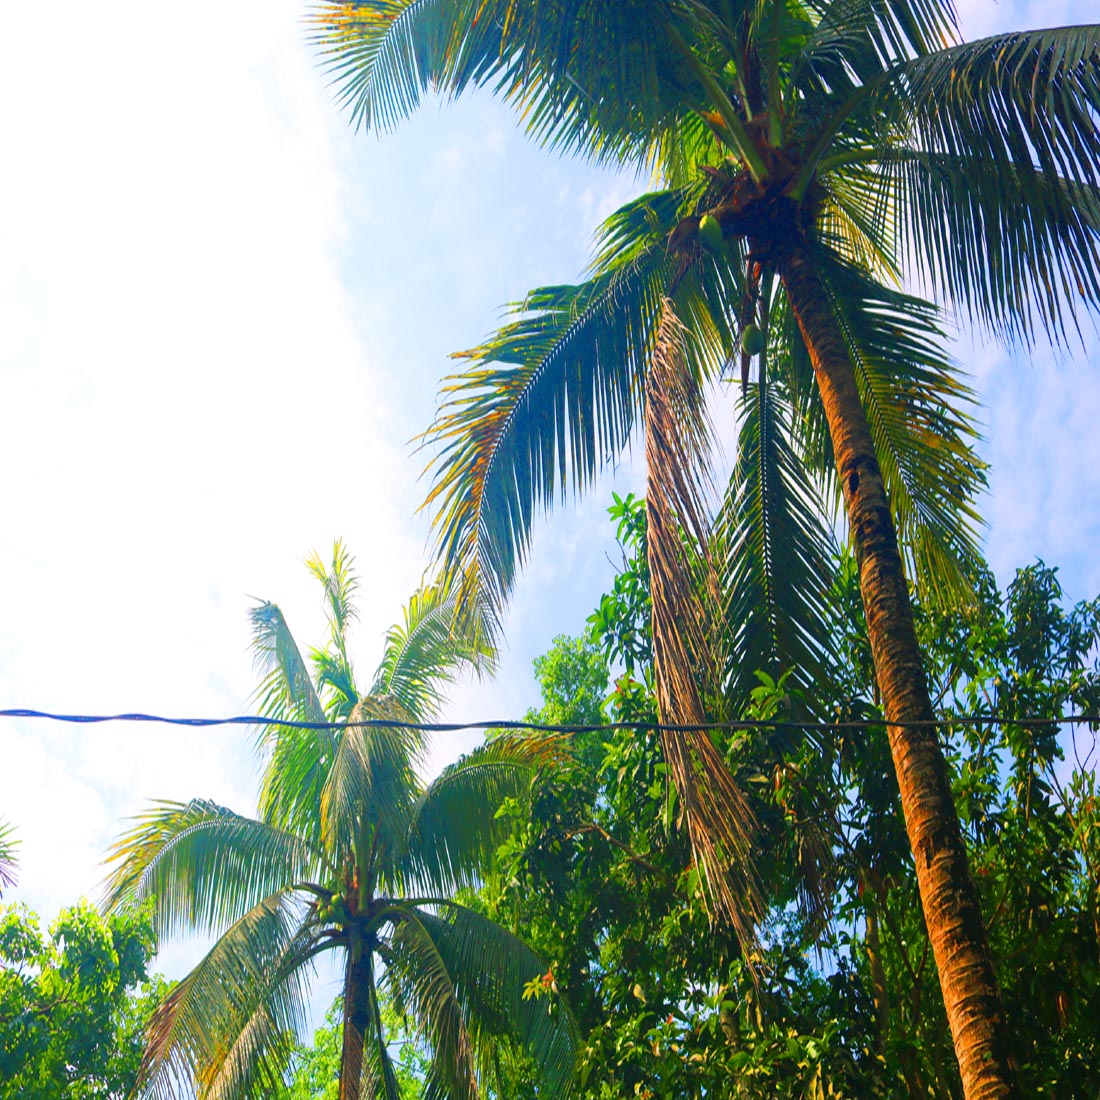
(843, 144)
(351, 853)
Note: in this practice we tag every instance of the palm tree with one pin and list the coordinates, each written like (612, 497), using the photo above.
(350, 853)
(841, 143)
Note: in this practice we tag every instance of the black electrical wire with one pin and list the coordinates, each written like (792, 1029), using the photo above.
(539, 727)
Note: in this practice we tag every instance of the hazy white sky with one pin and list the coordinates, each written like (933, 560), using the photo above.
(222, 318)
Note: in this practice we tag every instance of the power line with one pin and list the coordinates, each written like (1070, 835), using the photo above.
(539, 727)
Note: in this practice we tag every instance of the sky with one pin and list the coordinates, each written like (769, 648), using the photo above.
(224, 316)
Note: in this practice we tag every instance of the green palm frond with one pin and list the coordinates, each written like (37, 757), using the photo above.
(549, 401)
(1002, 204)
(298, 761)
(9, 861)
(340, 583)
(335, 682)
(777, 550)
(205, 865)
(428, 649)
(918, 410)
(454, 828)
(229, 1028)
(419, 976)
(379, 1079)
(286, 690)
(372, 784)
(384, 55)
(468, 976)
(294, 777)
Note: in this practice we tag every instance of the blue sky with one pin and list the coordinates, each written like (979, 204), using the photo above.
(223, 317)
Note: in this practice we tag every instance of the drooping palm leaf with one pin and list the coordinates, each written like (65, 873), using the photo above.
(206, 866)
(1002, 202)
(478, 971)
(717, 813)
(917, 407)
(379, 1078)
(428, 649)
(550, 399)
(385, 54)
(776, 553)
(298, 760)
(286, 690)
(419, 976)
(228, 1028)
(454, 827)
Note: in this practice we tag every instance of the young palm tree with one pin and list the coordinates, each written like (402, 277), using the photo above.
(842, 142)
(351, 853)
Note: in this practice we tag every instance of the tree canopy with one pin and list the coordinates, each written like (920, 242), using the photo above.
(74, 1003)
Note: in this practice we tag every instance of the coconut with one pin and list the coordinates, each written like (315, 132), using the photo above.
(752, 339)
(710, 234)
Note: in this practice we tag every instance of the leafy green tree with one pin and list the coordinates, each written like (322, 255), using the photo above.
(601, 880)
(351, 853)
(74, 1003)
(1026, 790)
(812, 150)
(843, 1000)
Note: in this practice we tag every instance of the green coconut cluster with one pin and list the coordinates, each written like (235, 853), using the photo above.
(334, 909)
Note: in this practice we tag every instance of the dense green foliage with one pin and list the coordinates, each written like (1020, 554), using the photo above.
(74, 1003)
(842, 998)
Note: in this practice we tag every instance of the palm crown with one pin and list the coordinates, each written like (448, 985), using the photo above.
(351, 852)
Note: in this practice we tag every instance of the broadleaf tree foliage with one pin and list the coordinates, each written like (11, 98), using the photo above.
(843, 999)
(74, 1003)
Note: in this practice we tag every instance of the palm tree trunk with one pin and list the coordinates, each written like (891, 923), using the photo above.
(950, 902)
(357, 1018)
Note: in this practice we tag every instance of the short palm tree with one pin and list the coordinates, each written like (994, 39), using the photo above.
(842, 142)
(350, 853)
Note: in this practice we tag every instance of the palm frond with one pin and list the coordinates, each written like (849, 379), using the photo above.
(297, 760)
(340, 583)
(379, 1079)
(549, 401)
(9, 861)
(473, 973)
(372, 782)
(420, 978)
(454, 828)
(428, 649)
(230, 1027)
(918, 410)
(286, 690)
(1002, 188)
(384, 55)
(777, 552)
(205, 865)
(719, 820)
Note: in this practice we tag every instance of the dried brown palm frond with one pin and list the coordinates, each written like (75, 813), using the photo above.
(719, 819)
